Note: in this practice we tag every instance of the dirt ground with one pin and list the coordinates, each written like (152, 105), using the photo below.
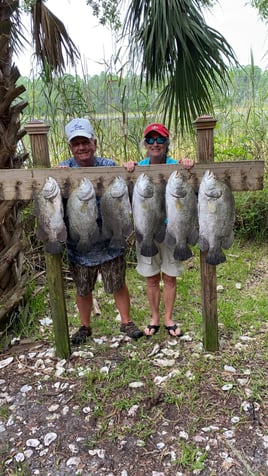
(52, 427)
(154, 407)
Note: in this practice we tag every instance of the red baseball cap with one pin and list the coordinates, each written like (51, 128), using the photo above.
(160, 128)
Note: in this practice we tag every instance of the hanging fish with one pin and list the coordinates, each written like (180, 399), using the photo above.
(116, 213)
(81, 214)
(182, 218)
(148, 206)
(48, 209)
(216, 214)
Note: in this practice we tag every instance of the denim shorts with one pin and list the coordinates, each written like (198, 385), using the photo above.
(113, 275)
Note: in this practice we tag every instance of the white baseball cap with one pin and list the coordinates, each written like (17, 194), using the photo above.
(79, 127)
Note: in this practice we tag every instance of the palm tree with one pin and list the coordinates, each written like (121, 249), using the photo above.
(51, 42)
(177, 52)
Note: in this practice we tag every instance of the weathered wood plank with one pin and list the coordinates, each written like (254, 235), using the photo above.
(20, 184)
(58, 306)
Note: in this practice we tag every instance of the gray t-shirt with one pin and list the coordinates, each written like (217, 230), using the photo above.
(100, 253)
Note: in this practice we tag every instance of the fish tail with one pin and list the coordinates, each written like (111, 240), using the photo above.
(215, 256)
(62, 236)
(117, 243)
(160, 235)
(169, 239)
(41, 234)
(53, 247)
(182, 254)
(203, 243)
(149, 249)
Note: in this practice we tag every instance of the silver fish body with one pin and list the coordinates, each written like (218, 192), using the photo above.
(48, 208)
(81, 212)
(216, 214)
(182, 217)
(148, 206)
(116, 214)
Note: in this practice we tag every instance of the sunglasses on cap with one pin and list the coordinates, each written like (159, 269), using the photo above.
(158, 140)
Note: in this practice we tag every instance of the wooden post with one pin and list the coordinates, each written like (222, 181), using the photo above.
(38, 131)
(205, 154)
(57, 303)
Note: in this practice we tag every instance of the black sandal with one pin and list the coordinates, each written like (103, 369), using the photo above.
(81, 336)
(173, 328)
(154, 327)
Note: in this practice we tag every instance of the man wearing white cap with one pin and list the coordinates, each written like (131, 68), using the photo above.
(84, 267)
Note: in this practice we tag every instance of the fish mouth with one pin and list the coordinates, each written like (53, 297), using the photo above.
(85, 190)
(213, 191)
(178, 194)
(51, 188)
(177, 185)
(145, 186)
(119, 187)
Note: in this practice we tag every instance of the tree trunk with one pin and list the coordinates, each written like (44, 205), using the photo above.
(13, 275)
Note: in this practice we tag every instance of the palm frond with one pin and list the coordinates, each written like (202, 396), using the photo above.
(179, 53)
(53, 45)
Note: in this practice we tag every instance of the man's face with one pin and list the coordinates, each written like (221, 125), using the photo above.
(83, 150)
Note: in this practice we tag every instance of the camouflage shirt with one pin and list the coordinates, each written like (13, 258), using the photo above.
(100, 252)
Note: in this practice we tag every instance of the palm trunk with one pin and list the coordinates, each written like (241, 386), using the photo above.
(12, 272)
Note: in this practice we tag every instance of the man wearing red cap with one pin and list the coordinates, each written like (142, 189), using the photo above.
(156, 142)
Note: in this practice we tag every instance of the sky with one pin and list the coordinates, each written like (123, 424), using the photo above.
(234, 19)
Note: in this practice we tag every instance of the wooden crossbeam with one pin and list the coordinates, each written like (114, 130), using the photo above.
(22, 184)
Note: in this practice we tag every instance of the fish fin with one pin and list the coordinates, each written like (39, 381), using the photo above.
(84, 245)
(41, 234)
(117, 242)
(193, 238)
(182, 253)
(203, 243)
(228, 241)
(160, 234)
(149, 249)
(215, 256)
(53, 247)
(74, 235)
(127, 230)
(139, 236)
(169, 239)
(62, 235)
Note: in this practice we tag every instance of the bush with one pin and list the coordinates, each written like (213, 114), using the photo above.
(252, 214)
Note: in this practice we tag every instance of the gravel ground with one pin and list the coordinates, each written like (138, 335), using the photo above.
(49, 424)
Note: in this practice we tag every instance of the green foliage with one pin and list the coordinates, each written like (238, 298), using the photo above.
(191, 457)
(27, 322)
(262, 6)
(252, 214)
(107, 11)
(177, 52)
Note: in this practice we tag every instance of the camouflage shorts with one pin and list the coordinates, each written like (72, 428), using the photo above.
(112, 272)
